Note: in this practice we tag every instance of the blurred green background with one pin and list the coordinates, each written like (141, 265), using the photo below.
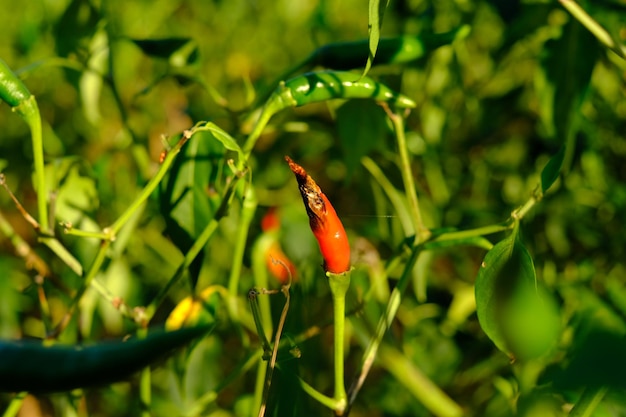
(492, 110)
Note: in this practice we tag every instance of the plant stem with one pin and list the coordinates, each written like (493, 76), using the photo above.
(480, 231)
(422, 233)
(15, 405)
(247, 214)
(329, 402)
(30, 111)
(588, 402)
(339, 284)
(394, 196)
(420, 386)
(594, 27)
(278, 101)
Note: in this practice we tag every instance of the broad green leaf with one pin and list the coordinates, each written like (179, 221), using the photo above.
(516, 313)
(551, 171)
(376, 13)
(190, 185)
(190, 194)
(362, 128)
(486, 290)
(76, 194)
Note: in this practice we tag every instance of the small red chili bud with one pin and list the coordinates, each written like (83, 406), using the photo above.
(325, 224)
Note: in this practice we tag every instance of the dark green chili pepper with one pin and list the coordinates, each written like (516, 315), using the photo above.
(30, 366)
(12, 89)
(320, 86)
(403, 49)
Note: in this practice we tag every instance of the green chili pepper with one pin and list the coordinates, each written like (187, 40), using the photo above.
(30, 366)
(12, 89)
(325, 85)
(320, 86)
(400, 50)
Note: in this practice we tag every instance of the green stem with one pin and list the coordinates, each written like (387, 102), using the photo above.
(594, 27)
(151, 185)
(247, 215)
(259, 387)
(15, 405)
(420, 386)
(422, 233)
(61, 251)
(329, 402)
(29, 111)
(522, 211)
(264, 118)
(281, 99)
(339, 284)
(588, 402)
(480, 231)
(392, 193)
(195, 249)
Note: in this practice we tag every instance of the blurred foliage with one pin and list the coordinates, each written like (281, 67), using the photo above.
(118, 82)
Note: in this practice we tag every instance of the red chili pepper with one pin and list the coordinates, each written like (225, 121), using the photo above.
(276, 260)
(325, 224)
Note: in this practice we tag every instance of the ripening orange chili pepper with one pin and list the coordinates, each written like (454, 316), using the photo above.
(279, 265)
(325, 224)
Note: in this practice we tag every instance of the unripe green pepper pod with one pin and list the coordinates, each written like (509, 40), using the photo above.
(31, 366)
(326, 85)
(314, 87)
(12, 89)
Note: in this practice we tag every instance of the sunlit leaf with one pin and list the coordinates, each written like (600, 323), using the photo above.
(225, 139)
(376, 14)
(518, 314)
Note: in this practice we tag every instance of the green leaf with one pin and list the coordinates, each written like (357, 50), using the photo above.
(161, 48)
(362, 128)
(551, 171)
(562, 87)
(225, 139)
(189, 196)
(76, 194)
(376, 13)
(517, 314)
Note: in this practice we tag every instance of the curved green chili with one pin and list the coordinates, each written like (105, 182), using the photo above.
(30, 366)
(320, 86)
(12, 89)
(399, 50)
(326, 85)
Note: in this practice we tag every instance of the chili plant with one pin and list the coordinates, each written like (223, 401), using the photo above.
(470, 261)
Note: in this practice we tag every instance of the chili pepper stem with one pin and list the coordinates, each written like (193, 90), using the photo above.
(421, 232)
(277, 102)
(339, 284)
